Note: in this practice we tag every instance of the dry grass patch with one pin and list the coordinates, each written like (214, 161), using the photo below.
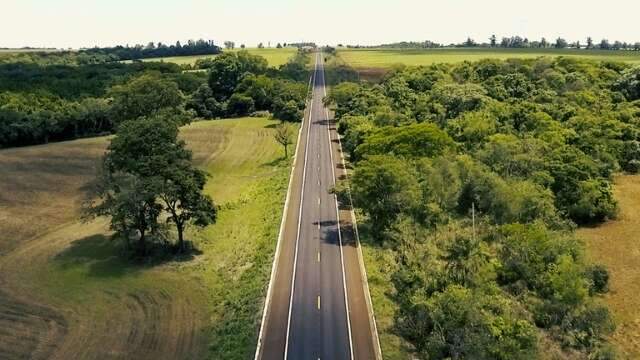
(41, 187)
(616, 244)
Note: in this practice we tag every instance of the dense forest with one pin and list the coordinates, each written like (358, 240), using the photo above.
(476, 175)
(42, 102)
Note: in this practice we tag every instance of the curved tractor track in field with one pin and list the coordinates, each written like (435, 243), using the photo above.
(28, 331)
(140, 323)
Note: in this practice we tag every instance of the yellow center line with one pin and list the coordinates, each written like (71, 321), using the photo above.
(318, 256)
(318, 302)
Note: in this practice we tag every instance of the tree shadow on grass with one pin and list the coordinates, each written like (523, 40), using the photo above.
(105, 257)
(99, 254)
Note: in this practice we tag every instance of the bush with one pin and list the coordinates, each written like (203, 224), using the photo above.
(595, 202)
(240, 105)
(287, 111)
(629, 83)
(410, 141)
(599, 279)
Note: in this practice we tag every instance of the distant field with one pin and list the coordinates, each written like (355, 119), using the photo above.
(386, 58)
(78, 299)
(13, 51)
(616, 244)
(274, 56)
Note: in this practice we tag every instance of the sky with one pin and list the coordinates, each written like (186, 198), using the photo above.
(88, 23)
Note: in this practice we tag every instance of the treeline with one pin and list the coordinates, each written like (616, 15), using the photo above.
(153, 50)
(112, 54)
(39, 104)
(476, 174)
(55, 58)
(516, 42)
(240, 84)
(42, 103)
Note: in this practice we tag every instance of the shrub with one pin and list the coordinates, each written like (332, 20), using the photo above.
(240, 105)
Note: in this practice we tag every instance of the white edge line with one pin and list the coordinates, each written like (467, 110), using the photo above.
(363, 269)
(276, 256)
(335, 197)
(295, 258)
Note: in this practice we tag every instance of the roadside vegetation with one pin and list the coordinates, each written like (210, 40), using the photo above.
(240, 84)
(471, 179)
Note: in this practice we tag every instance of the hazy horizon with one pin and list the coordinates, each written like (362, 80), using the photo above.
(77, 24)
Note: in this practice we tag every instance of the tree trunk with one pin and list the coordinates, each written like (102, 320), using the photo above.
(142, 243)
(286, 153)
(180, 228)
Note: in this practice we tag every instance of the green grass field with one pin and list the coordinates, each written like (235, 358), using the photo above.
(79, 299)
(386, 58)
(275, 57)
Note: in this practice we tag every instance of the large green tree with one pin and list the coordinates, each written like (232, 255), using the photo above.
(143, 96)
(227, 70)
(384, 187)
(148, 171)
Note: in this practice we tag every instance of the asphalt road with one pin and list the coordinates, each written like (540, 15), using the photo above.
(316, 292)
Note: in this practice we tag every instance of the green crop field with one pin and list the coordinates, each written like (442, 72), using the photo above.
(79, 299)
(274, 56)
(386, 58)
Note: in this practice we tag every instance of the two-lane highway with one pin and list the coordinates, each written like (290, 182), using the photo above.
(307, 311)
(318, 324)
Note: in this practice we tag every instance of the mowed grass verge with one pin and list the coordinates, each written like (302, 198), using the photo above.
(275, 57)
(615, 244)
(77, 298)
(387, 58)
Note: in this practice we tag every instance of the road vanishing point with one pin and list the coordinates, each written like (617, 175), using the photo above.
(318, 304)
